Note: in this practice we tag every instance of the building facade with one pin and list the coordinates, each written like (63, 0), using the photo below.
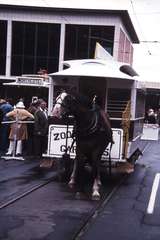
(32, 38)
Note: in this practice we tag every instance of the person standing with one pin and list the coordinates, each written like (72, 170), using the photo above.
(151, 118)
(1, 116)
(40, 129)
(158, 117)
(30, 128)
(5, 107)
(18, 131)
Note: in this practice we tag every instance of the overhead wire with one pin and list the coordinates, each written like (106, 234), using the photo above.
(139, 25)
(137, 20)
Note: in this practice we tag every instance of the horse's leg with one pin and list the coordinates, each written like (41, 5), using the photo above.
(71, 182)
(79, 173)
(96, 159)
(89, 160)
(96, 175)
(95, 190)
(98, 179)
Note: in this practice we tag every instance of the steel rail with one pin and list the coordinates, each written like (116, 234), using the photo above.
(95, 212)
(91, 216)
(32, 189)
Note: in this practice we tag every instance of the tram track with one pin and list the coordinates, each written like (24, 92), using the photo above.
(31, 189)
(26, 192)
(95, 212)
(27, 187)
(36, 189)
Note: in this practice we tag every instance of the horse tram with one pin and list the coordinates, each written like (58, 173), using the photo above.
(119, 93)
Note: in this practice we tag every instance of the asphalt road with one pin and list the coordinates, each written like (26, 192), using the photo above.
(50, 211)
(126, 215)
(34, 204)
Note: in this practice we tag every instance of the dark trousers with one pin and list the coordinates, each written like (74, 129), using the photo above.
(4, 133)
(40, 145)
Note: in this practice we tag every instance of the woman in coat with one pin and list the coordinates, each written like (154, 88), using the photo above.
(18, 131)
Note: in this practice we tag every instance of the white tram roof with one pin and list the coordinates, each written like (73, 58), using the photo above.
(96, 68)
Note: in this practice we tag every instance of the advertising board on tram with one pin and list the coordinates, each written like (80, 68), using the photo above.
(60, 138)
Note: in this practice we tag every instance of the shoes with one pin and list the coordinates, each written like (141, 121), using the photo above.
(18, 155)
(8, 154)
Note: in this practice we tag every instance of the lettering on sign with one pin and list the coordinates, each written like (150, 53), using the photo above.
(116, 150)
(60, 140)
(29, 81)
(58, 136)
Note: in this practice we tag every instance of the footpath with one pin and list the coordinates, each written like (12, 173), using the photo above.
(125, 216)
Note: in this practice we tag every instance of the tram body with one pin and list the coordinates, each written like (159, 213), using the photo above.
(120, 94)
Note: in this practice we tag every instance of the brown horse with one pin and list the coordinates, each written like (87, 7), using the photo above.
(92, 134)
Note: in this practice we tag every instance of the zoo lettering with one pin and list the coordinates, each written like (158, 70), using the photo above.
(62, 135)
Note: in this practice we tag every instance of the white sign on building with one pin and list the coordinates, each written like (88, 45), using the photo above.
(59, 138)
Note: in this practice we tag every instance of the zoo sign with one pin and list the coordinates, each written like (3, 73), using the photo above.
(60, 141)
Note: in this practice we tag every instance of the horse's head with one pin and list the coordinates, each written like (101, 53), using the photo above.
(71, 105)
(64, 105)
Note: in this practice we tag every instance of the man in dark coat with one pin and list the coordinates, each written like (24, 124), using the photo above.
(1, 116)
(5, 107)
(40, 129)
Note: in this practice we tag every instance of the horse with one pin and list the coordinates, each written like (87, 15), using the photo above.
(92, 133)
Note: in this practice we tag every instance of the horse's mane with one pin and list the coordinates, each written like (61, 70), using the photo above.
(83, 100)
(94, 120)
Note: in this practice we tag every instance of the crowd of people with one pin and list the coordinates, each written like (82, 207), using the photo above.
(23, 131)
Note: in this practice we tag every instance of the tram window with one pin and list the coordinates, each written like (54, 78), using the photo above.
(117, 102)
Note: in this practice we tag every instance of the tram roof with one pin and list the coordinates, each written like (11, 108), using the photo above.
(96, 68)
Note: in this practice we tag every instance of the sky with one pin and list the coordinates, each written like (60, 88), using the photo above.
(145, 15)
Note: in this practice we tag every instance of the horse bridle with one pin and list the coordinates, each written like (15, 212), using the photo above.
(62, 102)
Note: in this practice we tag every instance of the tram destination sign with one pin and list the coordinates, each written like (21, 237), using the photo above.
(58, 137)
(29, 81)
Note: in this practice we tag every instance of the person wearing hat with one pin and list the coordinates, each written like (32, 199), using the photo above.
(18, 130)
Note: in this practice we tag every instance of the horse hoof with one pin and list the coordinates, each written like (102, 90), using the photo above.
(96, 196)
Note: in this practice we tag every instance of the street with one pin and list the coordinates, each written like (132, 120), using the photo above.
(34, 204)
